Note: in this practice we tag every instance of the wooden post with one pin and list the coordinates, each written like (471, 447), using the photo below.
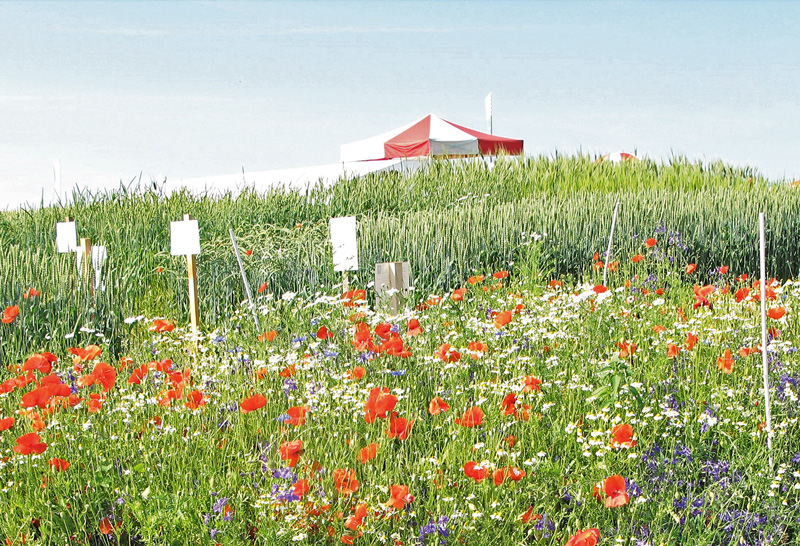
(345, 282)
(194, 306)
(86, 262)
(396, 283)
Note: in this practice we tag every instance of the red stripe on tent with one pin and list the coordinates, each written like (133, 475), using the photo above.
(413, 142)
(491, 144)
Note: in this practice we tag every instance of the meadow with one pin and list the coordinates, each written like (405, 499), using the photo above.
(515, 398)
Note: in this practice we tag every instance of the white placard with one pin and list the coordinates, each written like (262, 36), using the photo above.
(184, 238)
(66, 237)
(99, 255)
(345, 245)
(386, 278)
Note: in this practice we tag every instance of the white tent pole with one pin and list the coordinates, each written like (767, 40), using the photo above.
(764, 340)
(610, 240)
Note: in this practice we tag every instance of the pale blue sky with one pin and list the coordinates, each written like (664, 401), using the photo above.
(186, 89)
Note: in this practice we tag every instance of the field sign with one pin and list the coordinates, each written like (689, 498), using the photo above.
(99, 255)
(185, 240)
(345, 245)
(184, 237)
(66, 237)
(392, 282)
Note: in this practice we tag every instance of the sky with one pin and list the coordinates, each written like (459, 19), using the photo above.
(118, 90)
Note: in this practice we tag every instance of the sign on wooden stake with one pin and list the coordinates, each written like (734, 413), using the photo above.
(185, 240)
(393, 282)
(66, 236)
(345, 247)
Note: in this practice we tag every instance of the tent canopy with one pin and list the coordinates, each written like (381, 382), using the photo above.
(429, 136)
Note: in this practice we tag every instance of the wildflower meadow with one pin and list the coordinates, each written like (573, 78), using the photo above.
(513, 399)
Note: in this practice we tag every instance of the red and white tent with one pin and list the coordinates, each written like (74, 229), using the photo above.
(429, 136)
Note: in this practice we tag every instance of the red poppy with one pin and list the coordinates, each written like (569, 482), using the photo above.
(267, 336)
(615, 490)
(599, 289)
(476, 348)
(414, 329)
(399, 427)
(324, 333)
(691, 340)
(297, 415)
(502, 319)
(725, 362)
(673, 350)
(723, 269)
(437, 405)
(637, 258)
(253, 403)
(58, 464)
(195, 400)
(622, 436)
(288, 371)
(162, 325)
(586, 537)
(509, 404)
(555, 284)
(10, 313)
(356, 373)
(6, 423)
(458, 295)
(529, 515)
(701, 295)
(500, 275)
(262, 288)
(367, 453)
(475, 279)
(291, 451)
(41, 362)
(383, 330)
(30, 443)
(742, 294)
(357, 519)
(473, 417)
(31, 293)
(651, 242)
(379, 404)
(400, 496)
(448, 354)
(626, 349)
(104, 374)
(345, 481)
(690, 269)
(776, 313)
(531, 383)
(138, 374)
(89, 353)
(477, 471)
(300, 488)
(510, 472)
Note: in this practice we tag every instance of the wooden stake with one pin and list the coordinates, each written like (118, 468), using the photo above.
(86, 262)
(194, 306)
(345, 282)
(764, 340)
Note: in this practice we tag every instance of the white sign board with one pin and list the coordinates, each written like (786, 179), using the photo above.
(99, 255)
(345, 245)
(389, 280)
(66, 237)
(184, 238)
